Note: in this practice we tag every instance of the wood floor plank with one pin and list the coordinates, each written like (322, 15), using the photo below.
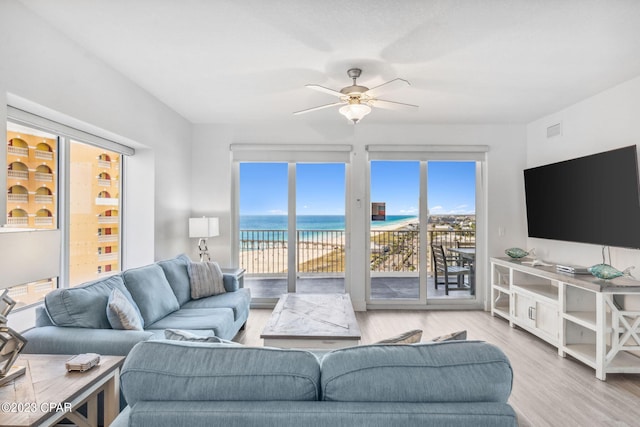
(548, 390)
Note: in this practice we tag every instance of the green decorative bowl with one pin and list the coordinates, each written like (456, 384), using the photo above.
(516, 253)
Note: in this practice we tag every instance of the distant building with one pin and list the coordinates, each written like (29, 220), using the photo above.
(32, 185)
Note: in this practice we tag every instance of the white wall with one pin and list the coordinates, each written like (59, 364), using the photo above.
(602, 122)
(46, 69)
(211, 179)
(43, 66)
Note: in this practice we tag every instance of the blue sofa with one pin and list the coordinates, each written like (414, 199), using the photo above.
(177, 383)
(74, 320)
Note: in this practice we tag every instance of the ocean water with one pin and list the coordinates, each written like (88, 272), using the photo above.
(308, 222)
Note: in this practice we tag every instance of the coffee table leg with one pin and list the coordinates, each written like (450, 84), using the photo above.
(112, 398)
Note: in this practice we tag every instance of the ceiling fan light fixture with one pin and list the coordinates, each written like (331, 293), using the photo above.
(355, 112)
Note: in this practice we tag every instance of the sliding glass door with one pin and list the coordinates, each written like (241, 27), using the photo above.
(421, 209)
(292, 227)
(320, 227)
(264, 246)
(394, 238)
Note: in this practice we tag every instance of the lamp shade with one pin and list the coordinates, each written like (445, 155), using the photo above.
(203, 227)
(355, 112)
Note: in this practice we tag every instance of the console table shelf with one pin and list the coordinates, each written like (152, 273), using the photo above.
(579, 314)
(582, 318)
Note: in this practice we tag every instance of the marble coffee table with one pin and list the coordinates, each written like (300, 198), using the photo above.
(317, 321)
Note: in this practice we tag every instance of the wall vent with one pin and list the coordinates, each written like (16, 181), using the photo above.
(554, 130)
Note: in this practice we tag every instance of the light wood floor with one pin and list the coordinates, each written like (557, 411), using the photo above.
(548, 390)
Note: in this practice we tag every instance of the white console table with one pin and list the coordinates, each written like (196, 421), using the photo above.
(581, 315)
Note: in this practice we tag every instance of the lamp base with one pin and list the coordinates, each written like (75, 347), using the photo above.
(204, 251)
(14, 372)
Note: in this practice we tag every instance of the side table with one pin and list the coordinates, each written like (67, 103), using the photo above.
(47, 394)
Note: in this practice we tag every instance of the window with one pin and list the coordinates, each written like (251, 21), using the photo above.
(89, 186)
(31, 195)
(31, 177)
(94, 198)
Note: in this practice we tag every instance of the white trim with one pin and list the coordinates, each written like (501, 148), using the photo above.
(291, 153)
(32, 120)
(427, 152)
(386, 152)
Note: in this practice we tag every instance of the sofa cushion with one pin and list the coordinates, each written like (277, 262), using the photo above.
(151, 292)
(239, 301)
(122, 312)
(218, 320)
(317, 414)
(180, 335)
(177, 274)
(453, 371)
(56, 340)
(83, 306)
(217, 372)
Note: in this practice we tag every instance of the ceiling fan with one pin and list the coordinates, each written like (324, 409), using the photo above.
(357, 100)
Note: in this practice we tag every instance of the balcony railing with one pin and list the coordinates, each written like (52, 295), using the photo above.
(108, 220)
(18, 151)
(44, 155)
(265, 252)
(44, 198)
(43, 220)
(17, 198)
(44, 176)
(16, 174)
(20, 220)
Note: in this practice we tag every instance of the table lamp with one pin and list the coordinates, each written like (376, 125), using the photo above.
(203, 228)
(11, 342)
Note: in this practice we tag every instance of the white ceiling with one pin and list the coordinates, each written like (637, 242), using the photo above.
(472, 61)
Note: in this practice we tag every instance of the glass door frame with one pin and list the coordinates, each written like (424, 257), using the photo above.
(425, 154)
(267, 153)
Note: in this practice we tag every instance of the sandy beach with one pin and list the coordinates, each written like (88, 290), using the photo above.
(271, 257)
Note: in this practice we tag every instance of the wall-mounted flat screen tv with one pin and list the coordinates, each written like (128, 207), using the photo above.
(592, 199)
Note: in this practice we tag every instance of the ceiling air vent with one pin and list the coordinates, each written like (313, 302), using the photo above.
(554, 130)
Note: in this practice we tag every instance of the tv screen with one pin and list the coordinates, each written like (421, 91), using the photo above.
(592, 199)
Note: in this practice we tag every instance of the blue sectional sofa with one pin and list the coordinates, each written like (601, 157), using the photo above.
(75, 320)
(457, 383)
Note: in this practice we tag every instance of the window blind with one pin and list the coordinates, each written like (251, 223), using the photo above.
(25, 118)
(427, 152)
(292, 153)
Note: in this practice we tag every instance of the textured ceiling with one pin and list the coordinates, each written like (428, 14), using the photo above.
(488, 61)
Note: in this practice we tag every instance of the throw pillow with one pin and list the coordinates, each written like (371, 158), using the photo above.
(206, 279)
(453, 336)
(122, 312)
(179, 335)
(408, 337)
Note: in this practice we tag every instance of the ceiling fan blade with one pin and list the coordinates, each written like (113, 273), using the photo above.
(384, 87)
(308, 110)
(325, 90)
(391, 105)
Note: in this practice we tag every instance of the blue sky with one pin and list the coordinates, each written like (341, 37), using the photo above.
(321, 188)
